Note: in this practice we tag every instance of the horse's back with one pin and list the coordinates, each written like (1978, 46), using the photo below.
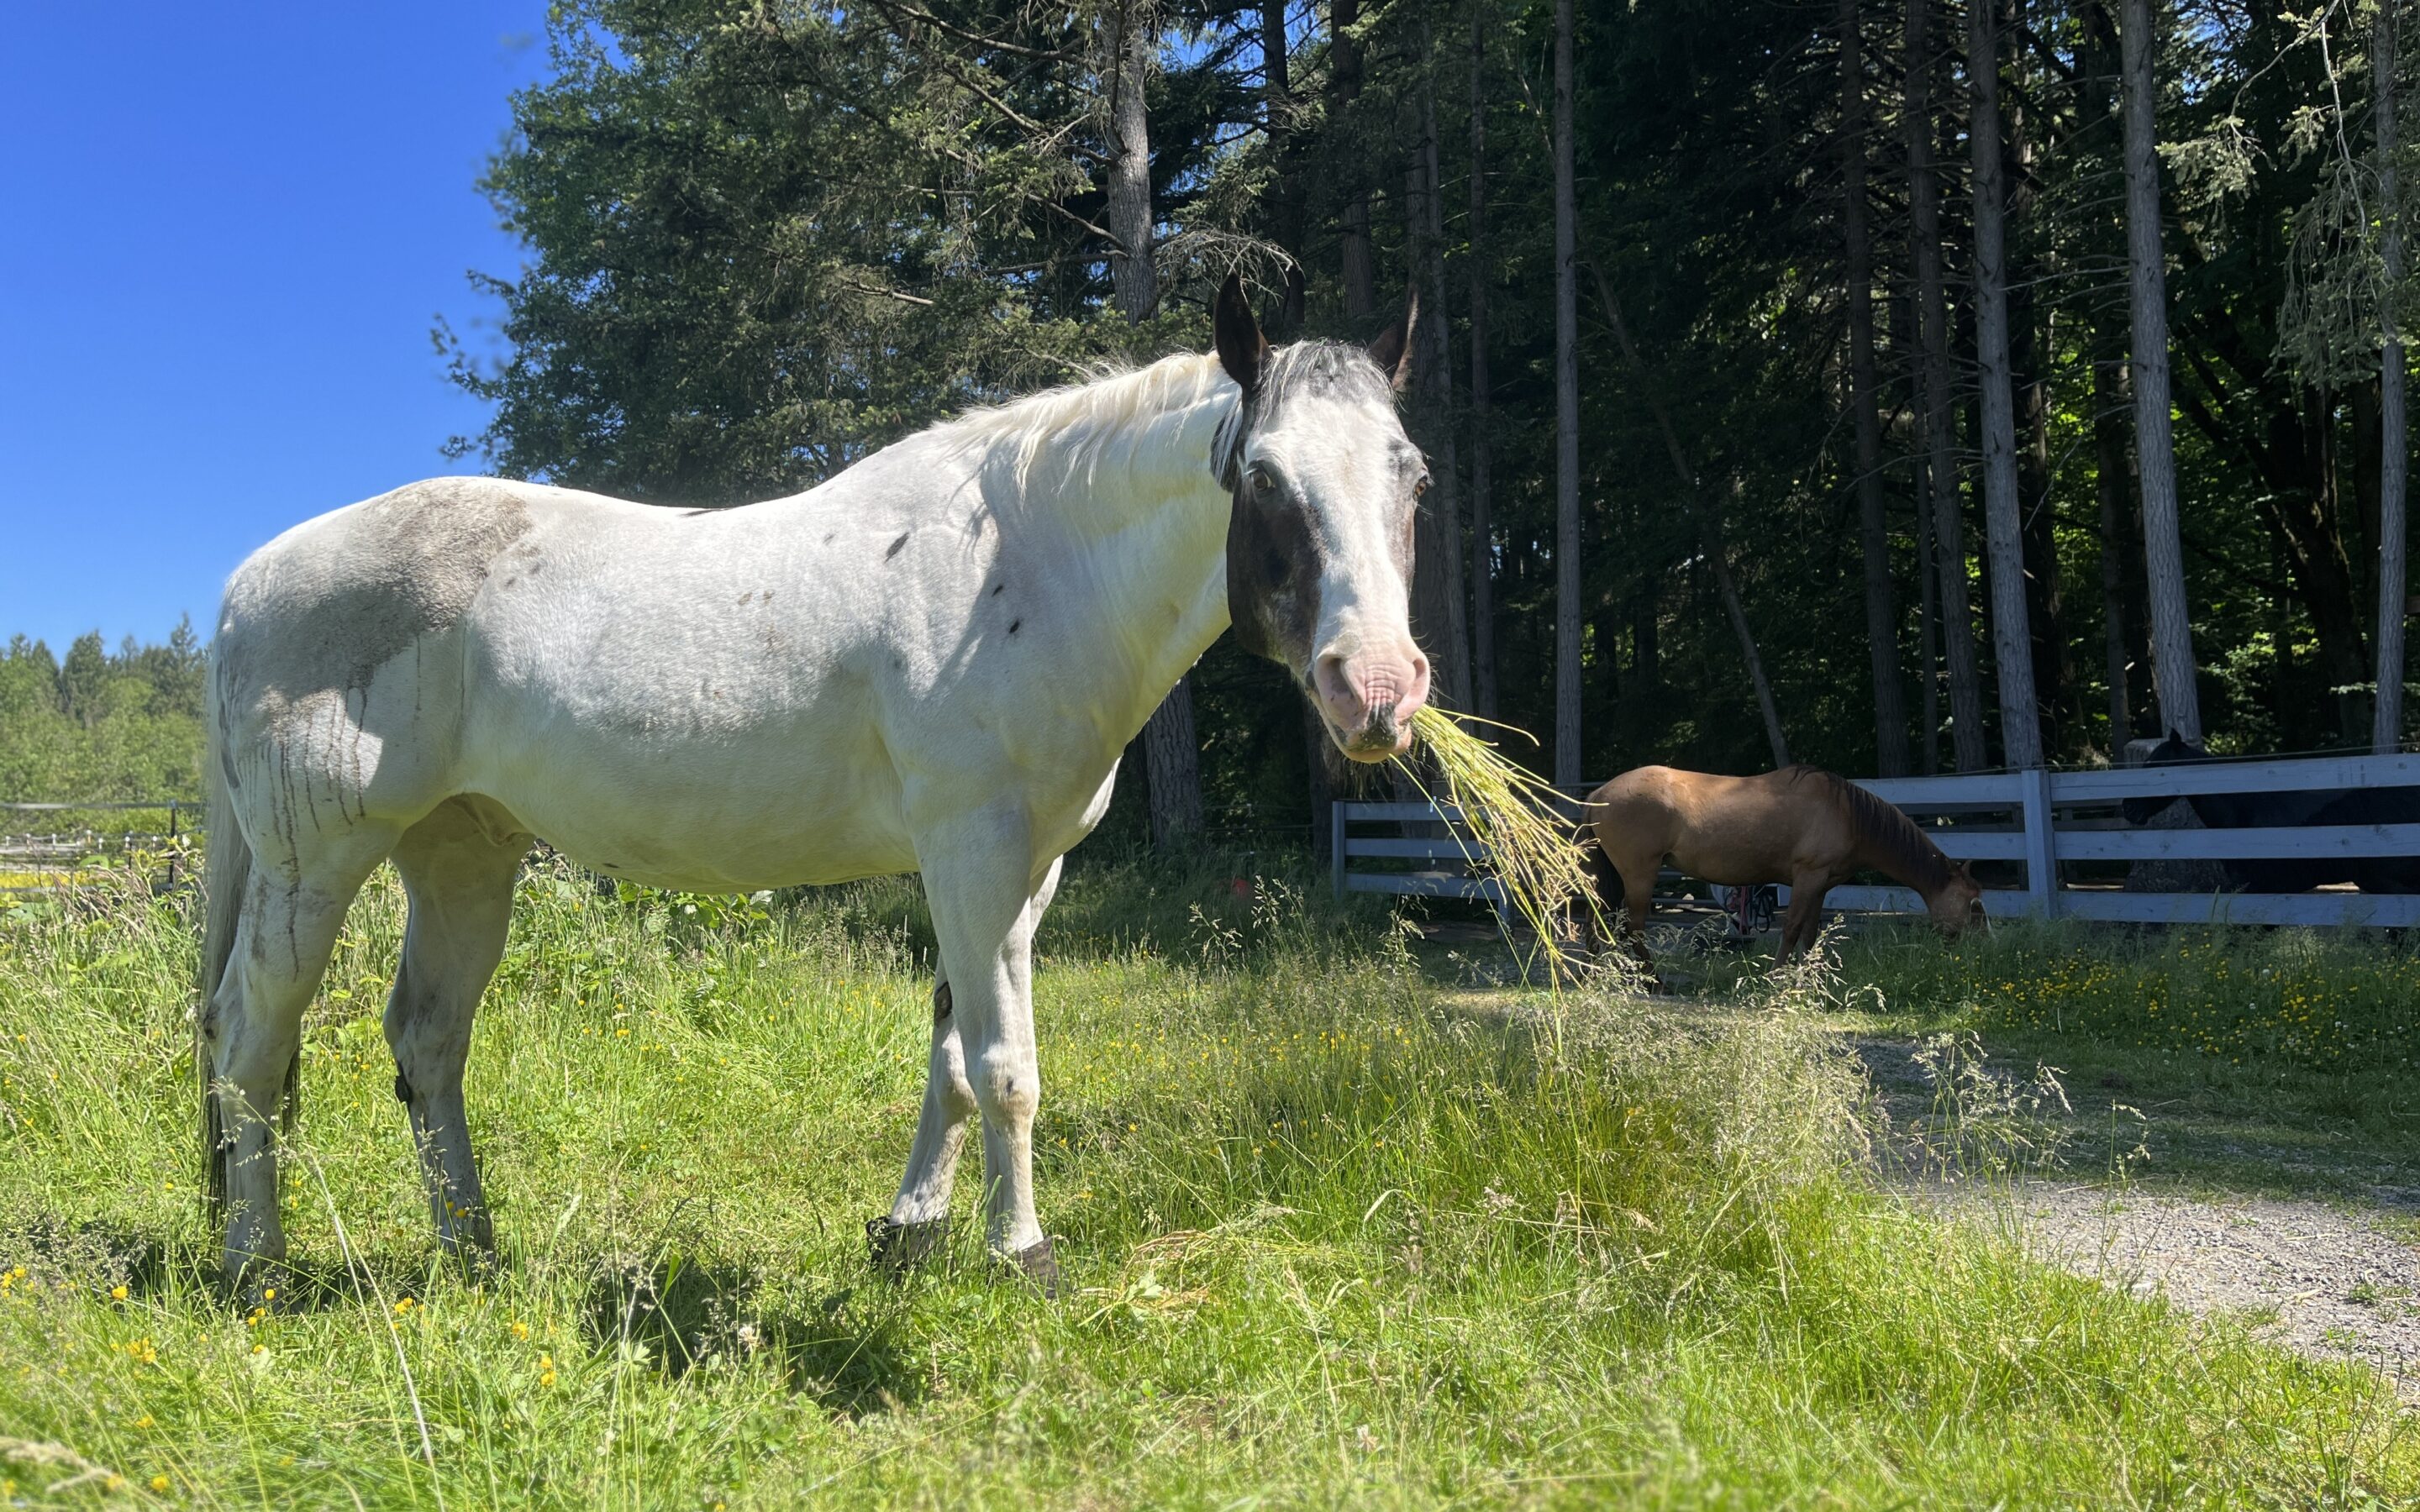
(1727, 830)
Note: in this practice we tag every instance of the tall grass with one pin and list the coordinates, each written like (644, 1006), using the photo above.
(1334, 1236)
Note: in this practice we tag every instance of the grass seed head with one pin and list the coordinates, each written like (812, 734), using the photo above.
(1516, 833)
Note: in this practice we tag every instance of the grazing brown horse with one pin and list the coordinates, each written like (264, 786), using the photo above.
(1802, 825)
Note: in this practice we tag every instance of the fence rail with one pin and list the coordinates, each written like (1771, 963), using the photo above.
(2041, 830)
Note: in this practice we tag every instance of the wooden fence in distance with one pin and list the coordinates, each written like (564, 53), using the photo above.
(2042, 820)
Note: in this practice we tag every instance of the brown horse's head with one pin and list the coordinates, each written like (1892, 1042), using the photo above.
(1958, 901)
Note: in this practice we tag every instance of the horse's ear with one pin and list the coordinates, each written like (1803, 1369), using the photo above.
(1236, 332)
(1392, 350)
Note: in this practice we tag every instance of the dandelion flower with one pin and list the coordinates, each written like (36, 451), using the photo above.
(117, 1293)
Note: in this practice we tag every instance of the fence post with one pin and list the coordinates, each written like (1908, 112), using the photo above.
(1336, 849)
(2041, 844)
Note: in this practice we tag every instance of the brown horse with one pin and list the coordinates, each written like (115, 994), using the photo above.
(1802, 825)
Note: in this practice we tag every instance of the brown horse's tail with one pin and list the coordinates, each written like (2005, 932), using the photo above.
(1600, 872)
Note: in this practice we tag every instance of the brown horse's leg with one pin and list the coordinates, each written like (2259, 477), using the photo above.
(1638, 896)
(1806, 917)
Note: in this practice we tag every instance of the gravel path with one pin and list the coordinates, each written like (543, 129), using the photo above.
(2332, 1280)
(2330, 1283)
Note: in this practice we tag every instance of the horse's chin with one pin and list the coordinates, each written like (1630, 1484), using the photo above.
(1371, 747)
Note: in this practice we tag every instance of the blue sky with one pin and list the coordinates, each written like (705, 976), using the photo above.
(227, 234)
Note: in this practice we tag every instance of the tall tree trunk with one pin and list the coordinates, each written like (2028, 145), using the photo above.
(1881, 616)
(2033, 337)
(1967, 742)
(1927, 608)
(2155, 462)
(1134, 47)
(1482, 545)
(2011, 634)
(1567, 419)
(1284, 196)
(1437, 589)
(2394, 456)
(1344, 87)
(2113, 484)
(1928, 619)
(1172, 749)
(1710, 528)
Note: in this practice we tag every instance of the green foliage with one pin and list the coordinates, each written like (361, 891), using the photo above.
(100, 727)
(1336, 1237)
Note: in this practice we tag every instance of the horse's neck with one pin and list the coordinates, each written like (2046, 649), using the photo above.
(1872, 855)
(1136, 530)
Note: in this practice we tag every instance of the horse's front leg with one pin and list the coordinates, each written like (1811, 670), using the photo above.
(983, 1057)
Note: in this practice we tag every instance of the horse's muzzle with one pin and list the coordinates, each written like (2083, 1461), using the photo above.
(1369, 698)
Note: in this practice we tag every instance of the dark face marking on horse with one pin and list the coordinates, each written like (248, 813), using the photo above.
(1277, 555)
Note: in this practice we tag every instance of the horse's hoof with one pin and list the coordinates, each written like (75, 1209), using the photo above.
(897, 1246)
(262, 1286)
(474, 1258)
(1039, 1263)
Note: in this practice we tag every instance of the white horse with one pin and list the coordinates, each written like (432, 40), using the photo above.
(930, 663)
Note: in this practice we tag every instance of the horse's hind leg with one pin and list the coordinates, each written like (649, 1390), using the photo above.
(1637, 898)
(919, 1223)
(459, 874)
(252, 1030)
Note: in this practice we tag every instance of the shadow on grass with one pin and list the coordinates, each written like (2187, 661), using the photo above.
(682, 1312)
(180, 1270)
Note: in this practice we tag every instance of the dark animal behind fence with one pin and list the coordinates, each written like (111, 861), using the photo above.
(2283, 811)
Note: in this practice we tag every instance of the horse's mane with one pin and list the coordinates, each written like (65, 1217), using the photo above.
(1079, 428)
(1899, 845)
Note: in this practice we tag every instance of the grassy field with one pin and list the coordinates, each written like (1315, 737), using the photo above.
(2270, 1060)
(1339, 1229)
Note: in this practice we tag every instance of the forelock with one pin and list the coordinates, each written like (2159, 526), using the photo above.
(1306, 370)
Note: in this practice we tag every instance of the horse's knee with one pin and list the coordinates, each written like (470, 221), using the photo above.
(1008, 1087)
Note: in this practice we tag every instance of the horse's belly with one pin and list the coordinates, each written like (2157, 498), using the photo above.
(782, 811)
(710, 840)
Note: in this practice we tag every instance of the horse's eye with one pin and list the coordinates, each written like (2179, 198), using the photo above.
(1259, 480)
(1420, 486)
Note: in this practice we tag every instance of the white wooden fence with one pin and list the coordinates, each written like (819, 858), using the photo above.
(2039, 819)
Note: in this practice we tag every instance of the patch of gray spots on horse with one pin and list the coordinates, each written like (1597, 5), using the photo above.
(370, 583)
(828, 539)
(897, 544)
